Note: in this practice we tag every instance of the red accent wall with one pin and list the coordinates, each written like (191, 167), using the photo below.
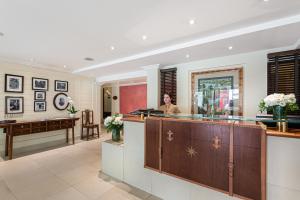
(133, 97)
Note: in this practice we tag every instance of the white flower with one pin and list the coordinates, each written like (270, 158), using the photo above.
(107, 121)
(279, 100)
(71, 101)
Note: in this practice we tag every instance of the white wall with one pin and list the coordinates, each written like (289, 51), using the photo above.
(255, 78)
(83, 91)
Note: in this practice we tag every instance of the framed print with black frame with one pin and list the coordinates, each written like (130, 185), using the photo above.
(40, 95)
(60, 101)
(40, 106)
(14, 83)
(39, 84)
(14, 105)
(61, 86)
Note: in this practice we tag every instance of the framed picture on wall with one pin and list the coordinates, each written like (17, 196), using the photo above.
(40, 106)
(14, 105)
(218, 92)
(14, 83)
(60, 101)
(40, 95)
(61, 86)
(39, 84)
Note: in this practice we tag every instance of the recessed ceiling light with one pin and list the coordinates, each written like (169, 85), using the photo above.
(230, 47)
(266, 0)
(1, 34)
(89, 59)
(192, 22)
(187, 56)
(65, 66)
(144, 37)
(112, 48)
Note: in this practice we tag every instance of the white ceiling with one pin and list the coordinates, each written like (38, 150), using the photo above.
(55, 33)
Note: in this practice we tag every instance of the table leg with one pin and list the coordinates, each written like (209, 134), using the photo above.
(98, 132)
(6, 144)
(87, 133)
(10, 148)
(67, 135)
(73, 137)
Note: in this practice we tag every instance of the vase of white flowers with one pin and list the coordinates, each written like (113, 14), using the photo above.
(279, 104)
(72, 110)
(114, 124)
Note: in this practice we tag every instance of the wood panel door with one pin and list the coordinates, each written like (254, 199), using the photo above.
(209, 165)
(176, 139)
(152, 143)
(249, 162)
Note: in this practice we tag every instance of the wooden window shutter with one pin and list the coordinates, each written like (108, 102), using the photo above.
(283, 74)
(168, 84)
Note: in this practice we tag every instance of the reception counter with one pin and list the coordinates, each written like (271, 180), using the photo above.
(208, 159)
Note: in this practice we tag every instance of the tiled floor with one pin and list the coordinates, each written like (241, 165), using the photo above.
(65, 173)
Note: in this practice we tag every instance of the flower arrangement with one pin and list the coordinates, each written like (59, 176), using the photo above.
(288, 101)
(71, 109)
(114, 124)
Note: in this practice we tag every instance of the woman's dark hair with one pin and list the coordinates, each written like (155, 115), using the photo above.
(169, 94)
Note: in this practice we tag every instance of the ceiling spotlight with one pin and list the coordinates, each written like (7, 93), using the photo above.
(144, 37)
(192, 22)
(112, 48)
(1, 34)
(266, 0)
(230, 47)
(65, 66)
(187, 56)
(89, 59)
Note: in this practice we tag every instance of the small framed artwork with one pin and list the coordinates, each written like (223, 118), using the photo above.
(39, 84)
(40, 106)
(40, 95)
(14, 105)
(61, 86)
(60, 101)
(14, 83)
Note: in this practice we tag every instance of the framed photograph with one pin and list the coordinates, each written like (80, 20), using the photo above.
(218, 92)
(39, 84)
(14, 105)
(14, 83)
(40, 95)
(60, 101)
(61, 86)
(40, 106)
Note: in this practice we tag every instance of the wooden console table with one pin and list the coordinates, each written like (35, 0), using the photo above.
(32, 127)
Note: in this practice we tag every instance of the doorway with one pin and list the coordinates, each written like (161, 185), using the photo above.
(107, 102)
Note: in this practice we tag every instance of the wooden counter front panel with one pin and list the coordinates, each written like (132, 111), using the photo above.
(176, 139)
(152, 146)
(190, 152)
(247, 162)
(209, 166)
(225, 156)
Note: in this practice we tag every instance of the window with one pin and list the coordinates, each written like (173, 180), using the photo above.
(283, 74)
(168, 84)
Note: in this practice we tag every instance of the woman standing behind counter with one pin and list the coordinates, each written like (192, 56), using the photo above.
(169, 108)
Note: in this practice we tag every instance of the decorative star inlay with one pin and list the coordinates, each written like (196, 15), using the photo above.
(191, 151)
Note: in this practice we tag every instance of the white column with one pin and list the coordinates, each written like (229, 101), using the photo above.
(153, 91)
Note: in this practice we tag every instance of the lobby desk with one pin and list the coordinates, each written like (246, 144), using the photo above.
(31, 127)
(282, 169)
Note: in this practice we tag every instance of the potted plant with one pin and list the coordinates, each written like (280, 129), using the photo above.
(279, 104)
(72, 110)
(114, 124)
